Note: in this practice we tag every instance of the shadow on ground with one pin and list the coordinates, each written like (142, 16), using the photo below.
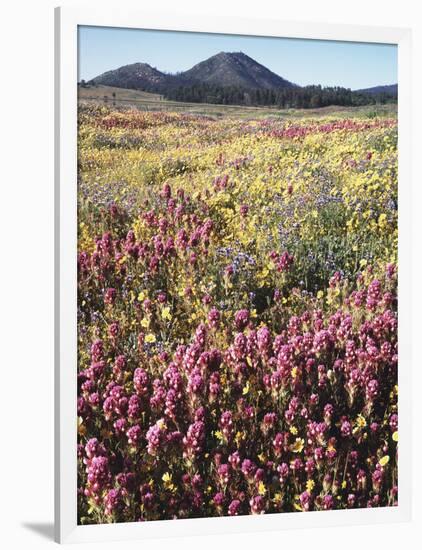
(45, 530)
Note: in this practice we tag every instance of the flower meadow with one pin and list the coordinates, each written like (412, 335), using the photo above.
(237, 314)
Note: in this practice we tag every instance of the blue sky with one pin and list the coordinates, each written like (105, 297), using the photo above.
(350, 64)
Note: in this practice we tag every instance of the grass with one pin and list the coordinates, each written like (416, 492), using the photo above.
(122, 94)
(146, 101)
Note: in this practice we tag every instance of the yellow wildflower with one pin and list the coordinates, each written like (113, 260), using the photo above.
(261, 489)
(166, 477)
(298, 445)
(278, 497)
(168, 482)
(384, 460)
(310, 484)
(165, 314)
(360, 421)
(219, 435)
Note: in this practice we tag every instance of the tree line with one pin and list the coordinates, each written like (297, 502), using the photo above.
(306, 97)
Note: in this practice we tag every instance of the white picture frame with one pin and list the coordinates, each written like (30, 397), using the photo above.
(67, 21)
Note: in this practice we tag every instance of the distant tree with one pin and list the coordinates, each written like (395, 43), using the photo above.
(315, 101)
(295, 97)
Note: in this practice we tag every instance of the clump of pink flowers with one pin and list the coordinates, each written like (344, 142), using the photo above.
(300, 419)
(277, 402)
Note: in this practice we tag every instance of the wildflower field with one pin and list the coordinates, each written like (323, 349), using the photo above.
(237, 314)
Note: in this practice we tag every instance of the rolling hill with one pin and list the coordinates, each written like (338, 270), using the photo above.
(391, 90)
(136, 76)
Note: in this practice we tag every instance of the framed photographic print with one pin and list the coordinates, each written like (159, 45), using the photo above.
(232, 237)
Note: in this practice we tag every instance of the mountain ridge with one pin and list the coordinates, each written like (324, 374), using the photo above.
(391, 89)
(234, 78)
(132, 76)
(223, 69)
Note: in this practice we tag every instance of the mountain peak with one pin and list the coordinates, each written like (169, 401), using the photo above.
(235, 69)
(135, 76)
(230, 55)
